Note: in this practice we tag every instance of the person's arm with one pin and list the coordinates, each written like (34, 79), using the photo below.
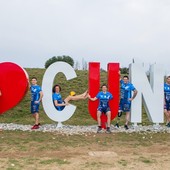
(92, 99)
(61, 104)
(41, 96)
(134, 95)
(119, 75)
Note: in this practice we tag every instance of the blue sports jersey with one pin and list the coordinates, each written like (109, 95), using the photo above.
(167, 91)
(35, 92)
(57, 96)
(126, 90)
(104, 99)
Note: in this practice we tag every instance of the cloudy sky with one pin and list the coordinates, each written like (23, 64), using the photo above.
(32, 31)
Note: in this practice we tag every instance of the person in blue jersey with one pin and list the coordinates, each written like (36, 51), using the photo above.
(167, 100)
(36, 97)
(59, 103)
(103, 96)
(126, 98)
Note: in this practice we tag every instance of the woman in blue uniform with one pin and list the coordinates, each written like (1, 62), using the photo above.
(59, 103)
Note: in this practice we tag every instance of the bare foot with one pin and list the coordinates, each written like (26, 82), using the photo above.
(66, 103)
(86, 96)
(85, 93)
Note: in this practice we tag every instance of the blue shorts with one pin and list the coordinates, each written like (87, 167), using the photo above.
(103, 109)
(167, 105)
(60, 108)
(34, 107)
(125, 105)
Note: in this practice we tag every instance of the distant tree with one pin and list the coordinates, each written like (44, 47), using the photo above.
(64, 58)
(102, 70)
(76, 65)
(84, 64)
(124, 70)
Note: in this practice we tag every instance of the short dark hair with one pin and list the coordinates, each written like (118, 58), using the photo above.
(57, 85)
(126, 77)
(34, 78)
(104, 85)
(167, 77)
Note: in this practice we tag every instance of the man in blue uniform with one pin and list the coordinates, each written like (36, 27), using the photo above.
(167, 100)
(126, 97)
(104, 96)
(36, 97)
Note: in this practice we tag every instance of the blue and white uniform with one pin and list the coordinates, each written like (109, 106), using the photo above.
(57, 96)
(35, 96)
(125, 94)
(104, 101)
(167, 96)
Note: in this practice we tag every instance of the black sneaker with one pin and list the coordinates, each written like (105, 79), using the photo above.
(117, 125)
(119, 113)
(126, 127)
(108, 131)
(99, 130)
(168, 125)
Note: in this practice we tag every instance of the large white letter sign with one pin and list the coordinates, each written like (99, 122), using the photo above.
(151, 93)
(47, 85)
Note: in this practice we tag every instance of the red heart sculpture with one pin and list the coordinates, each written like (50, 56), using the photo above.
(13, 85)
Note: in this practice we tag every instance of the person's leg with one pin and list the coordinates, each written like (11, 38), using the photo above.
(127, 107)
(168, 119)
(98, 118)
(99, 121)
(77, 97)
(119, 112)
(167, 116)
(108, 113)
(127, 117)
(108, 118)
(35, 112)
(36, 116)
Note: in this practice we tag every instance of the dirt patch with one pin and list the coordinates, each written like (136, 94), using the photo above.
(21, 150)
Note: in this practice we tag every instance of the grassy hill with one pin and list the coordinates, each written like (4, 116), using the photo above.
(21, 113)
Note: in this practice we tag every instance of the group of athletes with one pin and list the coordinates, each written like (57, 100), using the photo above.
(127, 93)
(103, 96)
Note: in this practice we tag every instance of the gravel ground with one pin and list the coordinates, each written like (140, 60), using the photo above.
(71, 130)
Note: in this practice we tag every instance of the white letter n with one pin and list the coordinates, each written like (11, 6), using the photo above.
(151, 94)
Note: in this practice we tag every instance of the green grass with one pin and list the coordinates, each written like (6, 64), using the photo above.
(123, 162)
(146, 160)
(57, 161)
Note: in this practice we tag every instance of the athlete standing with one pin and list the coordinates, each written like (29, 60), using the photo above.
(104, 96)
(36, 97)
(126, 97)
(167, 100)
